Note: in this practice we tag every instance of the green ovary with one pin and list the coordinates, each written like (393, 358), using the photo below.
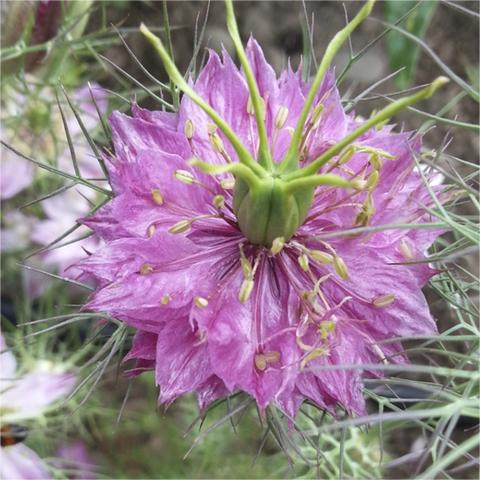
(267, 211)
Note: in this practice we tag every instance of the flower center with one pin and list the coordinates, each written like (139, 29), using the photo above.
(268, 210)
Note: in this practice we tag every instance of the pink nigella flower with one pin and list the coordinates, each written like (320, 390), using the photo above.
(232, 266)
(23, 398)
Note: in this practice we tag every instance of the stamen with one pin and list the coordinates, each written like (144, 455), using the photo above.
(250, 109)
(227, 184)
(151, 230)
(218, 201)
(189, 129)
(145, 269)
(384, 300)
(245, 263)
(340, 267)
(262, 360)
(326, 328)
(277, 245)
(373, 179)
(317, 115)
(281, 117)
(180, 227)
(303, 262)
(200, 302)
(157, 196)
(322, 257)
(184, 176)
(318, 352)
(165, 300)
(406, 250)
(245, 290)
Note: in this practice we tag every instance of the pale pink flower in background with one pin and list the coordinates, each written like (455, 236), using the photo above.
(25, 396)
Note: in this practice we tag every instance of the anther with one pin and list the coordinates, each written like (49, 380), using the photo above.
(247, 268)
(211, 128)
(189, 129)
(281, 117)
(200, 302)
(227, 184)
(318, 352)
(151, 230)
(326, 328)
(303, 262)
(277, 245)
(322, 257)
(157, 196)
(165, 300)
(346, 155)
(375, 161)
(217, 142)
(250, 109)
(184, 176)
(145, 269)
(218, 201)
(245, 290)
(316, 115)
(180, 227)
(384, 300)
(340, 267)
(406, 250)
(262, 360)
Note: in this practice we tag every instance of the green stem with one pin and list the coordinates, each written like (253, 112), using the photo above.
(265, 158)
(380, 117)
(243, 154)
(291, 158)
(166, 24)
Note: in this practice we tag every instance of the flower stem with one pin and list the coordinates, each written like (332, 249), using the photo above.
(265, 158)
(243, 154)
(381, 116)
(291, 158)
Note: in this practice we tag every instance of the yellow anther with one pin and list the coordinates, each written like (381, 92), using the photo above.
(247, 268)
(346, 155)
(200, 302)
(384, 300)
(217, 142)
(189, 129)
(326, 328)
(211, 128)
(180, 227)
(322, 257)
(184, 176)
(145, 269)
(277, 245)
(318, 352)
(245, 290)
(340, 267)
(317, 114)
(250, 109)
(406, 250)
(218, 201)
(157, 196)
(303, 262)
(165, 300)
(262, 360)
(151, 230)
(373, 179)
(227, 184)
(281, 117)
